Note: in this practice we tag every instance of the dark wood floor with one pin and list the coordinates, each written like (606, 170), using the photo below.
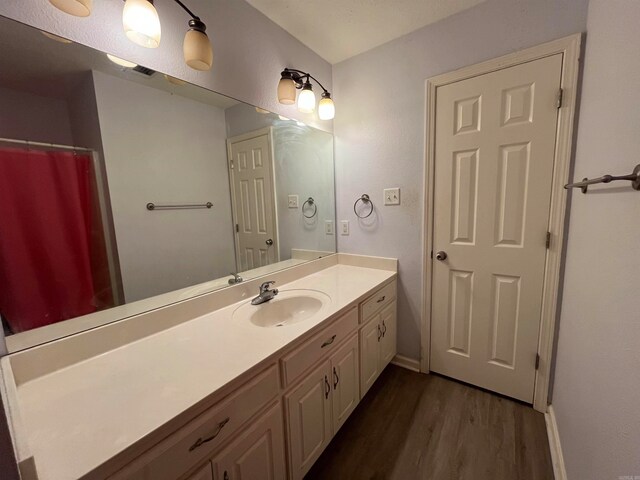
(412, 426)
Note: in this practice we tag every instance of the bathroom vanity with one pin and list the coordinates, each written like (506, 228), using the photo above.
(212, 387)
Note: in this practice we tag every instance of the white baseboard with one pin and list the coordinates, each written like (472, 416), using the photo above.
(557, 458)
(406, 362)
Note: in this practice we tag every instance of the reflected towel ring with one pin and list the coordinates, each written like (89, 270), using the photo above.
(364, 199)
(312, 203)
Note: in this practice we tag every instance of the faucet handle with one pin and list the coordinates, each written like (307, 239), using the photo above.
(265, 286)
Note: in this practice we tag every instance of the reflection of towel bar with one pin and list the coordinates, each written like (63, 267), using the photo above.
(186, 206)
(633, 177)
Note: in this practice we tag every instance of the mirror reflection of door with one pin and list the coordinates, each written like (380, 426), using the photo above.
(253, 199)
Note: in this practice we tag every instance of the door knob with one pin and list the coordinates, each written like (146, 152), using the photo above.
(269, 242)
(442, 256)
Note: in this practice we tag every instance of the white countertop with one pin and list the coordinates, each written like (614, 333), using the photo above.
(78, 417)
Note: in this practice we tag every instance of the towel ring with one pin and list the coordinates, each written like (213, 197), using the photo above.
(312, 203)
(364, 198)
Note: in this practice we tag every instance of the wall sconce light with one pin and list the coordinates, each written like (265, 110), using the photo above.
(77, 8)
(292, 79)
(142, 26)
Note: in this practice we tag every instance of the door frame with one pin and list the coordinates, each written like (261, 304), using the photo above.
(569, 47)
(268, 131)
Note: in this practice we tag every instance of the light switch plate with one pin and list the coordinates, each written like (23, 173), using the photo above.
(392, 196)
(293, 201)
(328, 227)
(344, 227)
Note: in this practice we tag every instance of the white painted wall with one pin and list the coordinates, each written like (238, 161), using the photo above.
(596, 394)
(165, 148)
(250, 50)
(380, 125)
(24, 116)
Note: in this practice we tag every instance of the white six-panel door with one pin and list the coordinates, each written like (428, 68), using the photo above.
(253, 201)
(494, 157)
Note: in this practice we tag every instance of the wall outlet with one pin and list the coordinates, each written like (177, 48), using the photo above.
(293, 201)
(392, 196)
(344, 227)
(328, 227)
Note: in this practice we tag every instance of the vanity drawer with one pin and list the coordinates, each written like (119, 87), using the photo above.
(378, 300)
(311, 352)
(197, 440)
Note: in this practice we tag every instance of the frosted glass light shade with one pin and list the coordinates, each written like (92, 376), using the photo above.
(326, 108)
(307, 101)
(77, 8)
(286, 91)
(121, 61)
(141, 23)
(197, 50)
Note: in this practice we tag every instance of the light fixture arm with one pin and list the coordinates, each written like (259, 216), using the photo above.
(186, 9)
(298, 75)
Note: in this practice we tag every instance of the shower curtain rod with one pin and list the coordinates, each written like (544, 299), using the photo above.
(48, 145)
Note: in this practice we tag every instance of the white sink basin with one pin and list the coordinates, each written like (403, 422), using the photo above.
(287, 308)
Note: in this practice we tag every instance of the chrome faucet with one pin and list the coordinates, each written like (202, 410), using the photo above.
(266, 293)
(236, 279)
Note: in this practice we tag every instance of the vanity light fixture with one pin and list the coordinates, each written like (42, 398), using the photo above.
(142, 26)
(292, 79)
(77, 8)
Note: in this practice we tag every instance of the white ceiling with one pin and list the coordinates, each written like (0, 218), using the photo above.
(339, 29)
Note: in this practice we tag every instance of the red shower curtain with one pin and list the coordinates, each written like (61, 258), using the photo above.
(45, 235)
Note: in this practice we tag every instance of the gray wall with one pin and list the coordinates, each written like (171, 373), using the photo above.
(380, 125)
(249, 50)
(33, 117)
(596, 394)
(165, 148)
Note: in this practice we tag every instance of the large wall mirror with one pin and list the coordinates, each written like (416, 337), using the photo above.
(123, 189)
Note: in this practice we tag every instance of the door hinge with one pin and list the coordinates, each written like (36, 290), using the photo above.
(231, 164)
(548, 241)
(431, 253)
(537, 361)
(237, 228)
(559, 98)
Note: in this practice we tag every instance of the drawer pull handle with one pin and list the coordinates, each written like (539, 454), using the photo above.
(336, 378)
(379, 332)
(381, 299)
(328, 342)
(202, 441)
(384, 329)
(327, 387)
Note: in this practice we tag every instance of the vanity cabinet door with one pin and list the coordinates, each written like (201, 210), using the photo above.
(205, 473)
(370, 337)
(345, 382)
(308, 409)
(388, 340)
(258, 454)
